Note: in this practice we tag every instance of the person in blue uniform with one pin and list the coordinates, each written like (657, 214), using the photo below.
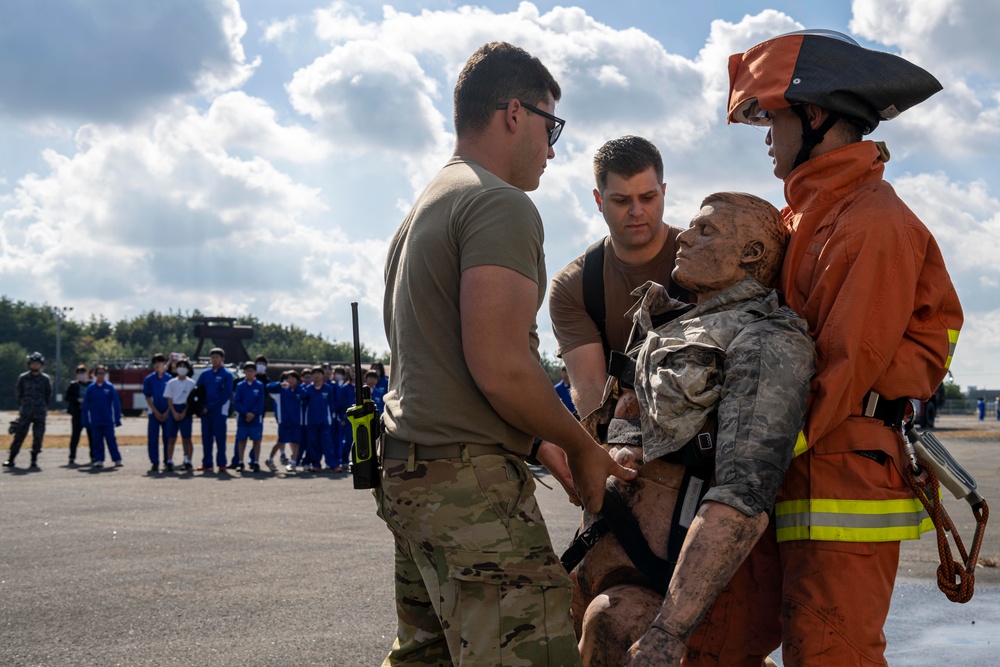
(287, 396)
(377, 394)
(101, 413)
(248, 401)
(320, 401)
(156, 430)
(218, 384)
(563, 389)
(383, 379)
(343, 438)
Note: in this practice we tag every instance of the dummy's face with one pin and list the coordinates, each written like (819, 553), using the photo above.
(632, 208)
(708, 252)
(533, 150)
(784, 139)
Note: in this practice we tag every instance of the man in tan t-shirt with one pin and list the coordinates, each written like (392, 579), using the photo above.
(476, 578)
(638, 248)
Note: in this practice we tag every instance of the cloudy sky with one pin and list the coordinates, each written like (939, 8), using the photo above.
(256, 156)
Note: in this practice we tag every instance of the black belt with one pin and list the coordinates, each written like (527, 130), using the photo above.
(394, 448)
(890, 412)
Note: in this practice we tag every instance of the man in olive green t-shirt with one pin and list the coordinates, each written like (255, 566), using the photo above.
(477, 581)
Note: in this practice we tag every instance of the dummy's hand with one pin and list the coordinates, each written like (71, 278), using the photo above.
(656, 648)
(554, 459)
(591, 468)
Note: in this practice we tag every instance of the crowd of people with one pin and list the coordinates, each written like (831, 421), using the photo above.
(309, 406)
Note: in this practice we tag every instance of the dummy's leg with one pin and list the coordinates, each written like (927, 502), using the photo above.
(614, 620)
(719, 539)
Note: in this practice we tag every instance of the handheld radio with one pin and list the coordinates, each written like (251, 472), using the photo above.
(365, 423)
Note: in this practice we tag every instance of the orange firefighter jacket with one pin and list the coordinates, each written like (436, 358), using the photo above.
(870, 280)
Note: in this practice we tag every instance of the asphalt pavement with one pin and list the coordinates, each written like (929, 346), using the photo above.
(120, 567)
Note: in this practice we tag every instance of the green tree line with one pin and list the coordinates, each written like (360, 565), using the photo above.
(26, 327)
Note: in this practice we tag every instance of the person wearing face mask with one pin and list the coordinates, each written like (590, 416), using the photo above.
(74, 400)
(178, 418)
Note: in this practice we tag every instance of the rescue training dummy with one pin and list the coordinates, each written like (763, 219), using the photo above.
(737, 358)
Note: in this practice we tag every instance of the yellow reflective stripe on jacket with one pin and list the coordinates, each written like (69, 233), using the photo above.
(800, 444)
(952, 342)
(851, 520)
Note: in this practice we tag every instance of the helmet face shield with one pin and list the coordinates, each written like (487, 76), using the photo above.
(750, 112)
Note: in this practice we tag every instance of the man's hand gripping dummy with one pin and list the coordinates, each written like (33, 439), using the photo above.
(738, 359)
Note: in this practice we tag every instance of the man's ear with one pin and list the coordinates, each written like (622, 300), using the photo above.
(816, 115)
(597, 198)
(510, 116)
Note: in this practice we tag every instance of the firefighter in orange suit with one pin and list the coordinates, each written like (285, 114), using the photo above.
(870, 280)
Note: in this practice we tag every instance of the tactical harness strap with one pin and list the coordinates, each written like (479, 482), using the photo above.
(617, 518)
(593, 290)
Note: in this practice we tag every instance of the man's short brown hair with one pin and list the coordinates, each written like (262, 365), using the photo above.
(626, 156)
(498, 72)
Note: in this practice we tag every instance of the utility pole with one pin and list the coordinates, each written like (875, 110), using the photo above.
(60, 313)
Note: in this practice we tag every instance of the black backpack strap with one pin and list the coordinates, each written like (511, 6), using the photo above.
(626, 528)
(593, 289)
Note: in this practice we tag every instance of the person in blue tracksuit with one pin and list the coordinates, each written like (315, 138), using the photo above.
(248, 401)
(563, 388)
(377, 394)
(287, 396)
(101, 413)
(346, 394)
(152, 388)
(260, 367)
(320, 400)
(383, 379)
(218, 384)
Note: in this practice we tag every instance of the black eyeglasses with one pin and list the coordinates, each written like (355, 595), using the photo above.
(556, 129)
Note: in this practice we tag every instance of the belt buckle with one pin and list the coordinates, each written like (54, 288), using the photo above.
(589, 537)
(705, 442)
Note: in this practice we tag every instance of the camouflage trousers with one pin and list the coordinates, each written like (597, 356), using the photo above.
(477, 582)
(36, 422)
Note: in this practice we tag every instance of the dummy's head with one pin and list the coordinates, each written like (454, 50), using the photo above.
(734, 236)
